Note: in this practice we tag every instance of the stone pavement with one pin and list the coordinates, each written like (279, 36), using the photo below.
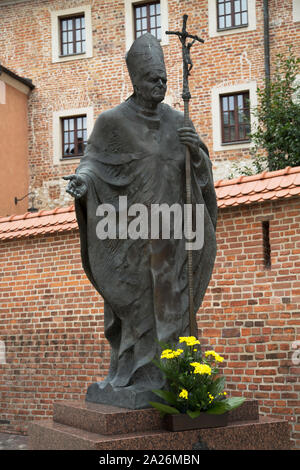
(13, 441)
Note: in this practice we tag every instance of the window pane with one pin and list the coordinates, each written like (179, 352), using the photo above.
(70, 24)
(152, 9)
(225, 118)
(221, 9)
(65, 49)
(78, 34)
(70, 49)
(231, 103)
(144, 23)
(144, 11)
(237, 6)
(137, 12)
(78, 23)
(244, 18)
(225, 103)
(158, 34)
(70, 36)
(228, 21)
(227, 134)
(228, 8)
(71, 124)
(232, 134)
(158, 20)
(244, 5)
(240, 101)
(152, 22)
(158, 8)
(237, 19)
(222, 22)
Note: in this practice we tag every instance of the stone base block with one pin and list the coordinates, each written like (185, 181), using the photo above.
(90, 426)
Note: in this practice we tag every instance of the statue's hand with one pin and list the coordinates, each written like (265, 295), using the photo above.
(188, 136)
(76, 187)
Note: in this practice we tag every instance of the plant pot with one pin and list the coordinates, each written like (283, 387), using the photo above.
(182, 422)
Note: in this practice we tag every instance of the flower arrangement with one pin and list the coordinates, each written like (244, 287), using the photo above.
(193, 381)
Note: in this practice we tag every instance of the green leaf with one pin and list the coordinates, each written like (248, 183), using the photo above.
(193, 414)
(164, 408)
(166, 395)
(234, 402)
(218, 408)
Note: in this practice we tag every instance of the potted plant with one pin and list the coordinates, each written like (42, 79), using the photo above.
(195, 396)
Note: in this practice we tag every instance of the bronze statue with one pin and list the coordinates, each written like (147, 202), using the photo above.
(137, 150)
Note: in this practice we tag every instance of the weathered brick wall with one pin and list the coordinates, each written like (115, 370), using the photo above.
(51, 318)
(102, 81)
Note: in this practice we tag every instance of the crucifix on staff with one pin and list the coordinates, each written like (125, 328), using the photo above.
(183, 35)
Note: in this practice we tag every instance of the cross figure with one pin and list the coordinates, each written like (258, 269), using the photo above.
(186, 96)
(186, 55)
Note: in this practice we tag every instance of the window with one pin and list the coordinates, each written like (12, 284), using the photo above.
(71, 129)
(235, 117)
(143, 16)
(71, 31)
(147, 19)
(296, 10)
(231, 17)
(232, 13)
(72, 35)
(266, 244)
(230, 117)
(74, 136)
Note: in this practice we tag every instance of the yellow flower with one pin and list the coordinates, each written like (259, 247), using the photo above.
(201, 368)
(178, 352)
(170, 354)
(189, 340)
(183, 394)
(167, 354)
(216, 356)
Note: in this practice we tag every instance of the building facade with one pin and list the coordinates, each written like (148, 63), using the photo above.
(14, 92)
(73, 51)
(52, 323)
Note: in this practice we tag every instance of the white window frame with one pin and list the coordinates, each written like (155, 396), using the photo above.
(55, 31)
(296, 11)
(216, 92)
(213, 25)
(2, 92)
(129, 21)
(57, 131)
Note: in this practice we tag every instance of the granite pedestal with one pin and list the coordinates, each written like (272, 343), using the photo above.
(89, 426)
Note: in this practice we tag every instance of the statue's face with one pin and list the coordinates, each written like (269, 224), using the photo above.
(152, 86)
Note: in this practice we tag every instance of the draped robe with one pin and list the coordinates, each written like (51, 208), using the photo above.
(143, 282)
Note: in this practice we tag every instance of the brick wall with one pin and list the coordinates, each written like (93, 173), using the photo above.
(102, 81)
(51, 319)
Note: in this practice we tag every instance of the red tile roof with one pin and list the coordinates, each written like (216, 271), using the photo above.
(269, 185)
(44, 221)
(243, 190)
